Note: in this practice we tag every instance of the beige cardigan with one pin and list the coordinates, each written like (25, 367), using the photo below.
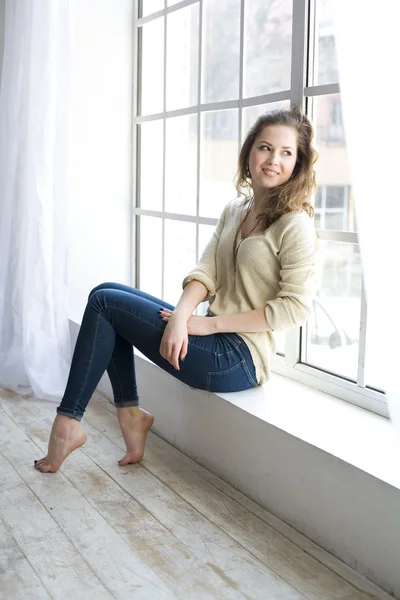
(274, 270)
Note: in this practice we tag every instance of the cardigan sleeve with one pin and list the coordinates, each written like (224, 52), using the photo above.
(206, 269)
(298, 257)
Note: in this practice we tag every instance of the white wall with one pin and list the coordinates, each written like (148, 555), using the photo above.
(100, 147)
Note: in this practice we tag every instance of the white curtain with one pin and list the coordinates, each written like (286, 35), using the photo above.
(368, 51)
(34, 342)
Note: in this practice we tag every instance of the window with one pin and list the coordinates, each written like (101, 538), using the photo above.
(201, 85)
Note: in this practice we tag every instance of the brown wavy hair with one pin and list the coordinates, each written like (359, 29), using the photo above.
(294, 194)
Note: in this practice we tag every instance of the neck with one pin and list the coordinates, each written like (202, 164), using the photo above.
(259, 203)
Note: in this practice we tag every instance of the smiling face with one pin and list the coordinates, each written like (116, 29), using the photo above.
(272, 157)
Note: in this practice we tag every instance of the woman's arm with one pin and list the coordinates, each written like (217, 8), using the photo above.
(252, 321)
(174, 343)
(194, 293)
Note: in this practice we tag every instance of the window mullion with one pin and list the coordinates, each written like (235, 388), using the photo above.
(164, 156)
(241, 73)
(362, 340)
(299, 52)
(297, 85)
(134, 274)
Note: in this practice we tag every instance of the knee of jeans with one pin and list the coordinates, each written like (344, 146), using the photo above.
(102, 286)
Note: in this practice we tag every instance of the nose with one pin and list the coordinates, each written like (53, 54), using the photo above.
(273, 158)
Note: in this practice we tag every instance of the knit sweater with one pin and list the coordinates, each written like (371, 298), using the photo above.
(274, 270)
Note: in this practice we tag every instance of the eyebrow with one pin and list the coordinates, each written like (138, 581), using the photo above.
(269, 144)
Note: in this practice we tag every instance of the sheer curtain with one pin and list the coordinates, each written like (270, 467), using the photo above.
(368, 51)
(34, 342)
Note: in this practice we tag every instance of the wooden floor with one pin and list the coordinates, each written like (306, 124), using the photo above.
(166, 528)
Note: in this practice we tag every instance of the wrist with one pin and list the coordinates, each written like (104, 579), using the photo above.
(215, 323)
(180, 315)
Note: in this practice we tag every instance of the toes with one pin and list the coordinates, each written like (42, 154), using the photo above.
(46, 468)
(130, 459)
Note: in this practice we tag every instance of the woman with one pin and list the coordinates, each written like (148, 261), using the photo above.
(256, 271)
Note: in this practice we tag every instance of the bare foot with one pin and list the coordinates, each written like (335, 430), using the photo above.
(66, 435)
(135, 424)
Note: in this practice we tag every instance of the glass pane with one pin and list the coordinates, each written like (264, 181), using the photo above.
(181, 165)
(205, 234)
(332, 166)
(375, 353)
(325, 62)
(179, 257)
(335, 198)
(335, 221)
(151, 6)
(151, 165)
(219, 155)
(221, 35)
(268, 46)
(280, 338)
(333, 328)
(182, 57)
(152, 84)
(171, 2)
(251, 113)
(151, 255)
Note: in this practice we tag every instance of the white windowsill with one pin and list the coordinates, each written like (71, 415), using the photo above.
(352, 434)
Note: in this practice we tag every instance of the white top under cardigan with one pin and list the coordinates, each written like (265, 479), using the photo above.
(274, 270)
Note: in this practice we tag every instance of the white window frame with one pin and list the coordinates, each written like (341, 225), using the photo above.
(303, 38)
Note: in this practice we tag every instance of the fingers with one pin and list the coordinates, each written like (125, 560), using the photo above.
(165, 314)
(175, 358)
(174, 342)
(170, 352)
(184, 349)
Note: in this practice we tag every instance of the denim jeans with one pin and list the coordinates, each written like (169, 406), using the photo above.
(118, 317)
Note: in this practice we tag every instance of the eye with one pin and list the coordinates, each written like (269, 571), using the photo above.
(264, 147)
(287, 153)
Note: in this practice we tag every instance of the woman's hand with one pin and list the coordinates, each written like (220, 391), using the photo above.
(195, 326)
(174, 342)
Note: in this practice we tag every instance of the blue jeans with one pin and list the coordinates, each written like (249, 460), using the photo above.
(118, 317)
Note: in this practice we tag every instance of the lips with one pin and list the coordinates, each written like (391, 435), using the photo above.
(270, 172)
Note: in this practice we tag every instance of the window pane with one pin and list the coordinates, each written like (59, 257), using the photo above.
(171, 2)
(332, 167)
(376, 354)
(221, 33)
(182, 57)
(280, 338)
(251, 113)
(219, 155)
(181, 165)
(151, 255)
(325, 63)
(205, 235)
(152, 84)
(335, 197)
(179, 257)
(151, 6)
(335, 221)
(151, 164)
(268, 46)
(333, 328)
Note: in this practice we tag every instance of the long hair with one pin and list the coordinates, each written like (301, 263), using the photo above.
(294, 194)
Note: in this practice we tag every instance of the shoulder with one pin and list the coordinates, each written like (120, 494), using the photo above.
(235, 205)
(233, 209)
(293, 231)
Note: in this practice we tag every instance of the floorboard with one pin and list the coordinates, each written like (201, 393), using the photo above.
(166, 528)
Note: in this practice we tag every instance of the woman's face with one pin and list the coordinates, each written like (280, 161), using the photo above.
(273, 157)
